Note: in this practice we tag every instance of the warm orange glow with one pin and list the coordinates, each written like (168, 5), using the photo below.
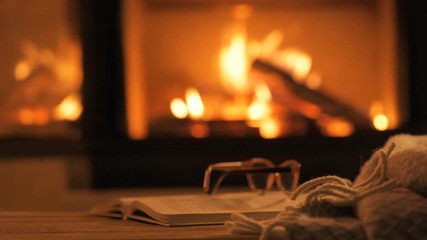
(199, 130)
(296, 62)
(179, 108)
(69, 109)
(379, 119)
(335, 127)
(262, 92)
(133, 54)
(260, 107)
(22, 70)
(25, 116)
(375, 109)
(233, 57)
(41, 116)
(34, 116)
(380, 122)
(233, 64)
(258, 110)
(47, 57)
(270, 44)
(313, 81)
(194, 103)
(309, 110)
(234, 110)
(270, 128)
(242, 11)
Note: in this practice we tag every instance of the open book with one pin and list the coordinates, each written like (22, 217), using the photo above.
(194, 209)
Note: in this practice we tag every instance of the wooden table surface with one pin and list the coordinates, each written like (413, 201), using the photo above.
(79, 225)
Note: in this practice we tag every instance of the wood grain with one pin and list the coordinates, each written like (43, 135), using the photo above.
(80, 225)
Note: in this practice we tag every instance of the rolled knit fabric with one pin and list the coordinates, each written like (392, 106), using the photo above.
(407, 163)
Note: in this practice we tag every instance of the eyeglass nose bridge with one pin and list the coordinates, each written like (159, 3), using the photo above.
(270, 178)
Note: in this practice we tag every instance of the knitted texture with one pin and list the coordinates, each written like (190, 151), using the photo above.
(323, 208)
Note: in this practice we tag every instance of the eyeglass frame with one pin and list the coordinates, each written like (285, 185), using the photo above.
(246, 167)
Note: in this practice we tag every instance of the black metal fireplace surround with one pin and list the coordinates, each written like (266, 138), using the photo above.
(118, 161)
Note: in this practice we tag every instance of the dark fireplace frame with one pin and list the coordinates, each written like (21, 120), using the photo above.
(118, 161)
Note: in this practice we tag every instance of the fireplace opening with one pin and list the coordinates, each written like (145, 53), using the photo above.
(41, 70)
(199, 69)
(150, 88)
(267, 69)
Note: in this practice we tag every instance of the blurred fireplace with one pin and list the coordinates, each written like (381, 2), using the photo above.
(41, 70)
(194, 60)
(140, 56)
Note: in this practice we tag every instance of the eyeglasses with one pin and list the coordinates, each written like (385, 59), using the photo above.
(261, 174)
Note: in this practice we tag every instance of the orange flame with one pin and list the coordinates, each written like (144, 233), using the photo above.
(233, 64)
(336, 127)
(69, 109)
(195, 105)
(270, 128)
(297, 62)
(380, 122)
(192, 106)
(379, 119)
(179, 108)
(22, 70)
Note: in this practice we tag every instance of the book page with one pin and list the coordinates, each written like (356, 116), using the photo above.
(211, 204)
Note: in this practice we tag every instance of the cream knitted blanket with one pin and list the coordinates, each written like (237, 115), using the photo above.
(386, 201)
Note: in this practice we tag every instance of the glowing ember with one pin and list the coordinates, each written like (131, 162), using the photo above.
(25, 116)
(270, 44)
(233, 64)
(34, 116)
(262, 92)
(336, 127)
(69, 109)
(233, 60)
(199, 130)
(235, 110)
(194, 103)
(313, 81)
(380, 122)
(179, 108)
(22, 70)
(296, 62)
(258, 110)
(379, 119)
(270, 128)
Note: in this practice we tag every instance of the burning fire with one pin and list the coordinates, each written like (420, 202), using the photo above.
(335, 127)
(46, 76)
(379, 119)
(252, 102)
(179, 108)
(38, 116)
(195, 105)
(294, 61)
(380, 122)
(260, 108)
(69, 109)
(22, 70)
(192, 106)
(233, 60)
